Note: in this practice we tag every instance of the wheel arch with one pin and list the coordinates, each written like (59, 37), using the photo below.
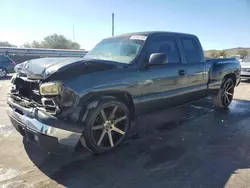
(1, 67)
(92, 101)
(214, 85)
(92, 106)
(230, 75)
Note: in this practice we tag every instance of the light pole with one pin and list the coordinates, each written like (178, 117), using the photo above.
(113, 27)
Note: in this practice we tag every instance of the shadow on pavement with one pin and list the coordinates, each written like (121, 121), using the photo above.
(196, 147)
(8, 77)
(50, 163)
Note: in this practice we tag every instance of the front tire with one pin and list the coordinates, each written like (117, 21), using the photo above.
(3, 72)
(224, 96)
(106, 126)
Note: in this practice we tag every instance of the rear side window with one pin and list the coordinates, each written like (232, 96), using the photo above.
(191, 50)
(2, 58)
(164, 44)
(5, 58)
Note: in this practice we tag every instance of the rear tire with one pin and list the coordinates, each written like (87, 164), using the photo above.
(106, 126)
(224, 96)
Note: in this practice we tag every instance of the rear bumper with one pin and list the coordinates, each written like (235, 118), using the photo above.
(244, 74)
(47, 136)
(10, 69)
(245, 77)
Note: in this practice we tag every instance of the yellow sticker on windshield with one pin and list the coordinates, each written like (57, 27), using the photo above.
(138, 37)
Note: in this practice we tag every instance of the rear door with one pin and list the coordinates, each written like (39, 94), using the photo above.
(4, 62)
(197, 72)
(161, 85)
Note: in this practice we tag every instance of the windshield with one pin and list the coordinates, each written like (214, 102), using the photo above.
(120, 49)
(247, 59)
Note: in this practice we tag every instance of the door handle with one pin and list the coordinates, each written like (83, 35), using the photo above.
(182, 72)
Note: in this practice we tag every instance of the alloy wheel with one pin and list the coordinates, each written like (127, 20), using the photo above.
(2, 73)
(228, 92)
(110, 126)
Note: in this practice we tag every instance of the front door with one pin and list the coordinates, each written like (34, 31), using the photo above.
(161, 85)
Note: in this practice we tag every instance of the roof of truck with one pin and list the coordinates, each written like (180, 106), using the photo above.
(153, 32)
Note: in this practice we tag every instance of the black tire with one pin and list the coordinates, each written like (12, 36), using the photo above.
(91, 136)
(222, 100)
(5, 72)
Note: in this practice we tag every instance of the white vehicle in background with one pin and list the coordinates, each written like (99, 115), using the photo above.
(245, 68)
(237, 57)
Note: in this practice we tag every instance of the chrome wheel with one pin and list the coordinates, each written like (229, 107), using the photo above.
(228, 92)
(110, 126)
(3, 73)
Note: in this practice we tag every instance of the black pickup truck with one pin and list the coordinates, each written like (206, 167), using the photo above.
(58, 103)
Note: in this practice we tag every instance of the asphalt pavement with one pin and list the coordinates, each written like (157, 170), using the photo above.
(189, 146)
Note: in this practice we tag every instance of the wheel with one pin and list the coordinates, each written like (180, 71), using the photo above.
(3, 72)
(225, 95)
(106, 126)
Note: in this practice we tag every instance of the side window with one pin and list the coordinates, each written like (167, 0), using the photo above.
(164, 44)
(191, 50)
(2, 58)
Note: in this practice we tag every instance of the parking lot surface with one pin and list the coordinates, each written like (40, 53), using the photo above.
(189, 146)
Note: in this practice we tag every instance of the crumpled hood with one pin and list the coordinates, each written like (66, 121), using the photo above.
(45, 67)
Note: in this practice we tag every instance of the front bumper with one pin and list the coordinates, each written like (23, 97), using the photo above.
(55, 137)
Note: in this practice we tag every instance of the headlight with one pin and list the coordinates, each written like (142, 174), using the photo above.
(51, 88)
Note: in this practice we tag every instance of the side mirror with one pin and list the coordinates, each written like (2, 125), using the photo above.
(157, 59)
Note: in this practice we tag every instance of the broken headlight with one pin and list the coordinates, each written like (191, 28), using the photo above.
(51, 88)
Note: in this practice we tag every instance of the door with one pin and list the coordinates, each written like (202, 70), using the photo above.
(197, 72)
(5, 63)
(161, 85)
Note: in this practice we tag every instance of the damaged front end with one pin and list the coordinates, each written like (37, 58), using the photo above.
(50, 97)
(46, 100)
(43, 111)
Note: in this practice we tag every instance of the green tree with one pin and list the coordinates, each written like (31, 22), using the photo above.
(34, 44)
(6, 44)
(222, 53)
(242, 53)
(54, 41)
(213, 54)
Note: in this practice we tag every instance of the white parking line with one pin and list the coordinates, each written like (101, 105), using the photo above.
(201, 108)
(9, 173)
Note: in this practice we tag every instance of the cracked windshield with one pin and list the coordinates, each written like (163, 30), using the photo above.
(133, 93)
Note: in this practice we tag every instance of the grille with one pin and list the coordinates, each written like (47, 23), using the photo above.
(26, 93)
(27, 89)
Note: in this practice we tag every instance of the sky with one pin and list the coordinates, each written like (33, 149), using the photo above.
(219, 24)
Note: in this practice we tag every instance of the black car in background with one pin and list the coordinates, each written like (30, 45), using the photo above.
(6, 65)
